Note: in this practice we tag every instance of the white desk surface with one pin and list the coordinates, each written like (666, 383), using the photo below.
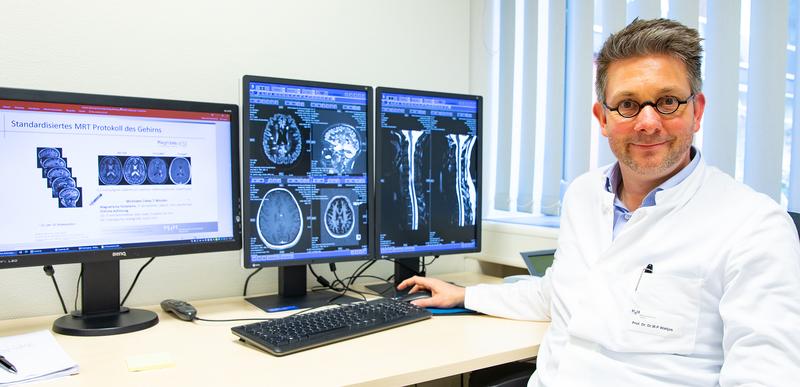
(207, 353)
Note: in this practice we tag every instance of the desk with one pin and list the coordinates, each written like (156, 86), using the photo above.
(208, 353)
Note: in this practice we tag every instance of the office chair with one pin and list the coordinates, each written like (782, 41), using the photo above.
(796, 218)
(515, 374)
(538, 261)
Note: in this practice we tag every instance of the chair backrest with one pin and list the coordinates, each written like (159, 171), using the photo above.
(538, 261)
(796, 218)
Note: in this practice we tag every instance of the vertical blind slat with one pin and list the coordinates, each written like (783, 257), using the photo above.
(643, 9)
(502, 199)
(613, 20)
(764, 128)
(793, 194)
(721, 84)
(685, 11)
(481, 79)
(580, 15)
(528, 130)
(554, 121)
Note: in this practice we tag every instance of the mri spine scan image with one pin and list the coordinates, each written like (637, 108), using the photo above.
(341, 146)
(280, 220)
(134, 170)
(110, 170)
(460, 153)
(409, 146)
(282, 141)
(339, 217)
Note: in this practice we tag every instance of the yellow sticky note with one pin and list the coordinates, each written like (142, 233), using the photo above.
(150, 361)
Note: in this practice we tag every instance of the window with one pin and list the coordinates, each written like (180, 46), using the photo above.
(540, 133)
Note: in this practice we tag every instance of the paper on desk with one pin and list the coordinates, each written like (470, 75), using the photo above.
(37, 356)
(150, 361)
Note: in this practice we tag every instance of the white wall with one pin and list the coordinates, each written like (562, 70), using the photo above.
(199, 50)
(502, 242)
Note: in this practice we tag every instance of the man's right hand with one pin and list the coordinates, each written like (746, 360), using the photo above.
(443, 294)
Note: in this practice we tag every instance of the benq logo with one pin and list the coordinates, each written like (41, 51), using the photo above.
(119, 254)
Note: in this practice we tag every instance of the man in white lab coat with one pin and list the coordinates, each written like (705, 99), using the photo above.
(668, 272)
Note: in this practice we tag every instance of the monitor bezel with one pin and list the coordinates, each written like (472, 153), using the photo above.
(133, 252)
(379, 137)
(246, 258)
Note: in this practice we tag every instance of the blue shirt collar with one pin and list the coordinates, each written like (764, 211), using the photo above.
(614, 177)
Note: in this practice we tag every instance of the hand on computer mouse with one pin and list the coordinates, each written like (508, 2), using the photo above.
(443, 294)
(418, 295)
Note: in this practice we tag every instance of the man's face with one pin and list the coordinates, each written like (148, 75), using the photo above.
(651, 145)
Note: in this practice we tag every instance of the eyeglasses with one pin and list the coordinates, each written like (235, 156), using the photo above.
(665, 105)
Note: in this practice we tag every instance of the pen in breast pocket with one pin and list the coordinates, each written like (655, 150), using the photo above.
(647, 269)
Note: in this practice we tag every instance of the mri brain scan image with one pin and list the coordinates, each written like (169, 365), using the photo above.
(55, 162)
(341, 145)
(409, 152)
(55, 173)
(340, 217)
(134, 170)
(110, 171)
(180, 171)
(460, 155)
(61, 183)
(157, 171)
(282, 141)
(280, 220)
(68, 197)
(47, 153)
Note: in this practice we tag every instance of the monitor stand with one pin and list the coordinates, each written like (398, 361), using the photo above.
(292, 293)
(404, 268)
(101, 314)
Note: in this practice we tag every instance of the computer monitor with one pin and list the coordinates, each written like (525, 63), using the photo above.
(428, 164)
(307, 181)
(94, 179)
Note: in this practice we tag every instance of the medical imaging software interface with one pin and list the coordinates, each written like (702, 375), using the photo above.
(307, 183)
(428, 173)
(85, 178)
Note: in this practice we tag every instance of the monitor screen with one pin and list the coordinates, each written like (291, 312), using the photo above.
(92, 177)
(306, 172)
(428, 167)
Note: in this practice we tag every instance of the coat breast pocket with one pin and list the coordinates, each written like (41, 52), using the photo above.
(660, 315)
(664, 314)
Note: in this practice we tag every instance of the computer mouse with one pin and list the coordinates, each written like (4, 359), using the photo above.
(181, 309)
(419, 294)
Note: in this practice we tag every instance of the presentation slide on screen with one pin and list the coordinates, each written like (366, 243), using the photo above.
(84, 179)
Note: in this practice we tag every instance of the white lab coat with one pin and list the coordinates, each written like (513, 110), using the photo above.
(721, 307)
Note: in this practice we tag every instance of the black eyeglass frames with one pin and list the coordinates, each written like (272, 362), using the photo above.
(667, 104)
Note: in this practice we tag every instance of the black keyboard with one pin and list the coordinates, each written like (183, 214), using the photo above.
(308, 330)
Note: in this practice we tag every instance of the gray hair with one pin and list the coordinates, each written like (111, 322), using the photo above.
(651, 37)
